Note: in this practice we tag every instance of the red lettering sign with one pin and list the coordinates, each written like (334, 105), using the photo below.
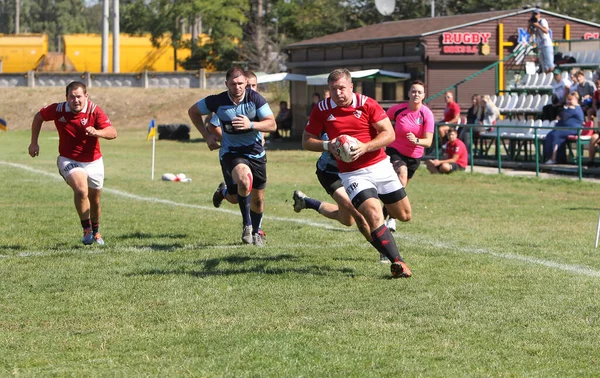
(465, 38)
(591, 36)
(461, 49)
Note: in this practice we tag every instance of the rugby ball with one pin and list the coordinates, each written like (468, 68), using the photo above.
(344, 145)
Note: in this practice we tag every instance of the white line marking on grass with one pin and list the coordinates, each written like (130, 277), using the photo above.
(577, 269)
(179, 204)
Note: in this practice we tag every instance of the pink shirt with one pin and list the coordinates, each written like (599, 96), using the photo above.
(407, 121)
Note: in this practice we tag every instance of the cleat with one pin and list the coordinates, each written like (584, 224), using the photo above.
(391, 224)
(218, 195)
(258, 239)
(98, 238)
(399, 269)
(383, 259)
(299, 203)
(247, 235)
(88, 236)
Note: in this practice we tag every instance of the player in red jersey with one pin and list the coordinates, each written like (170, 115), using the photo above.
(80, 123)
(370, 176)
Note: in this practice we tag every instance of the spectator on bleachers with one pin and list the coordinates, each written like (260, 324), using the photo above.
(570, 116)
(538, 26)
(573, 78)
(560, 89)
(457, 156)
(596, 74)
(595, 110)
(491, 112)
(451, 116)
(474, 117)
(586, 89)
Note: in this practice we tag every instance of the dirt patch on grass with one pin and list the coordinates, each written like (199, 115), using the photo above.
(126, 107)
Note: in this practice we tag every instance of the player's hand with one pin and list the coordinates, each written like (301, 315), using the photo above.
(333, 151)
(212, 143)
(241, 123)
(411, 138)
(358, 150)
(34, 149)
(91, 131)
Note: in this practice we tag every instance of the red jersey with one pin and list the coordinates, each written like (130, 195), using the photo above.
(458, 148)
(354, 120)
(73, 142)
(451, 112)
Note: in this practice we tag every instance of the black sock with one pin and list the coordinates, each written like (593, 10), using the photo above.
(256, 221)
(95, 227)
(385, 243)
(312, 203)
(244, 203)
(86, 223)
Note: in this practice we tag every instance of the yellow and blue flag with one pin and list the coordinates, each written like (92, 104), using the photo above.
(3, 126)
(151, 130)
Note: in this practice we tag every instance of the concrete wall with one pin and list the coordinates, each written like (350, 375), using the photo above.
(195, 79)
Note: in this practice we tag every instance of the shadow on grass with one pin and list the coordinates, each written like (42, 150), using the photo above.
(583, 208)
(252, 265)
(144, 235)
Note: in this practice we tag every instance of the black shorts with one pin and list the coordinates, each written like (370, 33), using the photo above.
(454, 167)
(398, 160)
(329, 181)
(257, 167)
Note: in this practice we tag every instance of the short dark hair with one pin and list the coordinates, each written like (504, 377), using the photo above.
(76, 85)
(418, 82)
(452, 130)
(337, 74)
(234, 72)
(250, 75)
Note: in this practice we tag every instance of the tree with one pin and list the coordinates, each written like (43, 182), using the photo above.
(169, 17)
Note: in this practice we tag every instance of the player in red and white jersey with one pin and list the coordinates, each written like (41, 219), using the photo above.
(79, 123)
(370, 176)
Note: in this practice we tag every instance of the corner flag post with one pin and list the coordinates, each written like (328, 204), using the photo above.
(152, 134)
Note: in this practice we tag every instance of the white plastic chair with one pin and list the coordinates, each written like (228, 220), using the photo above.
(535, 103)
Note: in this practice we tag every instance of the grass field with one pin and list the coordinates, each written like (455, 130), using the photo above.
(506, 280)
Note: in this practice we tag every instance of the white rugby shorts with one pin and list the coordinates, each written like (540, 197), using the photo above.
(94, 170)
(379, 176)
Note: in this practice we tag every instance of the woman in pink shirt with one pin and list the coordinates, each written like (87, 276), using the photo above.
(414, 126)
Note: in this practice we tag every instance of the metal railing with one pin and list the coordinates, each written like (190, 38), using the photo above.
(578, 154)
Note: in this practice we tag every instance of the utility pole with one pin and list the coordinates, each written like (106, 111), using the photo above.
(104, 64)
(432, 8)
(116, 37)
(17, 15)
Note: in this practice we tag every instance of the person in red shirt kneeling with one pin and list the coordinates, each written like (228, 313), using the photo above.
(457, 156)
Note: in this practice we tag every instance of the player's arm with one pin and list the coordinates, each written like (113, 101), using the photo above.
(265, 125)
(196, 118)
(312, 142)
(36, 127)
(424, 142)
(106, 133)
(385, 135)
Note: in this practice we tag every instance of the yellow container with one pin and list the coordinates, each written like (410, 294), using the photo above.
(137, 53)
(22, 52)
